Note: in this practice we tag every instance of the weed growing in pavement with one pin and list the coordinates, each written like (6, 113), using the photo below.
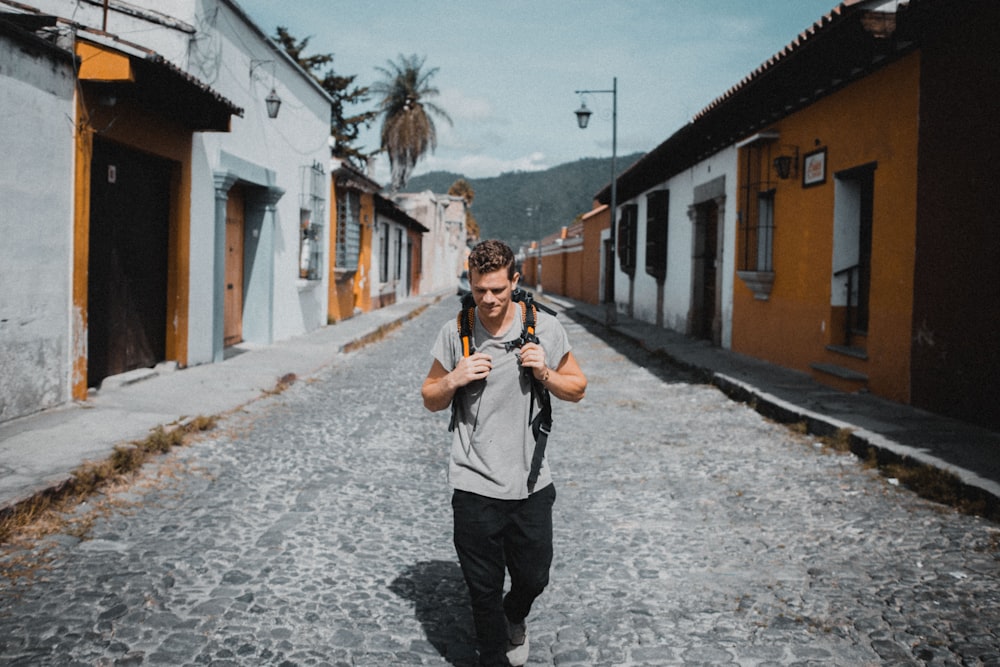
(284, 382)
(928, 482)
(44, 513)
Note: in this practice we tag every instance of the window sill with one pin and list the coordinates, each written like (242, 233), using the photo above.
(759, 282)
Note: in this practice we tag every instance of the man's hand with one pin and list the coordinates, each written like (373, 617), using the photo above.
(471, 368)
(533, 356)
(566, 382)
(440, 385)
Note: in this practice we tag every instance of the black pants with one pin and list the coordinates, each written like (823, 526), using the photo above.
(494, 536)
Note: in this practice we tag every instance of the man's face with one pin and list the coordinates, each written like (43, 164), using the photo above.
(492, 291)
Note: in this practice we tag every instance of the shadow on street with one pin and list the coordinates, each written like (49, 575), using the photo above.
(441, 603)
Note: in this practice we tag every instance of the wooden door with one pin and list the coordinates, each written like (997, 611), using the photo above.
(130, 199)
(705, 315)
(233, 301)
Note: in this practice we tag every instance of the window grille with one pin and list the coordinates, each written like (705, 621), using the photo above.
(348, 230)
(312, 211)
(398, 273)
(757, 216)
(383, 253)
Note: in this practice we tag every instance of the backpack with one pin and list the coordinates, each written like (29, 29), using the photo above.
(541, 423)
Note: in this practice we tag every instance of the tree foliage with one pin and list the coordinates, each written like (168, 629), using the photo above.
(408, 130)
(345, 129)
(461, 188)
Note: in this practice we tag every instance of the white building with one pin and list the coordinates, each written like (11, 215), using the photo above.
(445, 246)
(231, 209)
(36, 186)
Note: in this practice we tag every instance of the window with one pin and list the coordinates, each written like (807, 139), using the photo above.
(765, 232)
(757, 216)
(755, 260)
(348, 230)
(627, 237)
(312, 209)
(657, 207)
(398, 273)
(383, 252)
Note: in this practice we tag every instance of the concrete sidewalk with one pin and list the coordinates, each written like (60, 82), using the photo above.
(40, 452)
(894, 430)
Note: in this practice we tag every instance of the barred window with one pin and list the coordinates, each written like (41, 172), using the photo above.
(348, 230)
(398, 272)
(757, 215)
(312, 211)
(383, 252)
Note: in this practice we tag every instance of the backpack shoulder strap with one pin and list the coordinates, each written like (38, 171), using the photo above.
(466, 324)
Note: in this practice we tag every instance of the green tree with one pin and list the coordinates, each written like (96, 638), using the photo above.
(408, 130)
(345, 129)
(461, 188)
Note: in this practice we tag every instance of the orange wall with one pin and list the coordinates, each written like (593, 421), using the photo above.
(593, 225)
(873, 120)
(554, 273)
(574, 275)
(362, 279)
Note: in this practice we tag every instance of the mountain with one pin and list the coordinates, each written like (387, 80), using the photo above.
(557, 196)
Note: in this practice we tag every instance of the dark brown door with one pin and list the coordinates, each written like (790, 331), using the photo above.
(705, 297)
(233, 302)
(127, 281)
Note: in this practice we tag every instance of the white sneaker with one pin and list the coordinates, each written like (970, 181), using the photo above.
(517, 643)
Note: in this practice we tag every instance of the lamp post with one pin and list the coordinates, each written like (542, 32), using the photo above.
(582, 118)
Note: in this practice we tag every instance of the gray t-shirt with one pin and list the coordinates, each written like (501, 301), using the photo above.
(492, 444)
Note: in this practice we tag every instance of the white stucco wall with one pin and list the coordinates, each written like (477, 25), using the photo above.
(213, 41)
(395, 235)
(677, 290)
(36, 228)
(296, 139)
(444, 246)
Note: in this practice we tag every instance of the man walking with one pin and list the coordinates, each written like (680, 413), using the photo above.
(502, 507)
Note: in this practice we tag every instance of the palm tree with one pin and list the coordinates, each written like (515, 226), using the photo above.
(407, 128)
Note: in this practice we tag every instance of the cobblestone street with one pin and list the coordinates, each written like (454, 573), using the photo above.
(314, 528)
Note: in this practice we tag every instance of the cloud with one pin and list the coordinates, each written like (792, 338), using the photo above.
(464, 108)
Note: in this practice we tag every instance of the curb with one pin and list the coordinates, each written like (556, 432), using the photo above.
(51, 488)
(864, 444)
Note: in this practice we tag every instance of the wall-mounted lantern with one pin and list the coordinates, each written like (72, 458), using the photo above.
(272, 101)
(786, 165)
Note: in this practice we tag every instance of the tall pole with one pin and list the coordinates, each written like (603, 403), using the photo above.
(610, 292)
(583, 115)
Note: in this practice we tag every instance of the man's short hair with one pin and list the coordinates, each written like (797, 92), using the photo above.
(488, 256)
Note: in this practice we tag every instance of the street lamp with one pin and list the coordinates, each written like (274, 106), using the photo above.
(582, 118)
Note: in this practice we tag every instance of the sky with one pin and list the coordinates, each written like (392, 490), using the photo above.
(508, 70)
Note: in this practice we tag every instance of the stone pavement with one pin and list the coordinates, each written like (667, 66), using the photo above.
(128, 407)
(312, 527)
(970, 452)
(39, 452)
